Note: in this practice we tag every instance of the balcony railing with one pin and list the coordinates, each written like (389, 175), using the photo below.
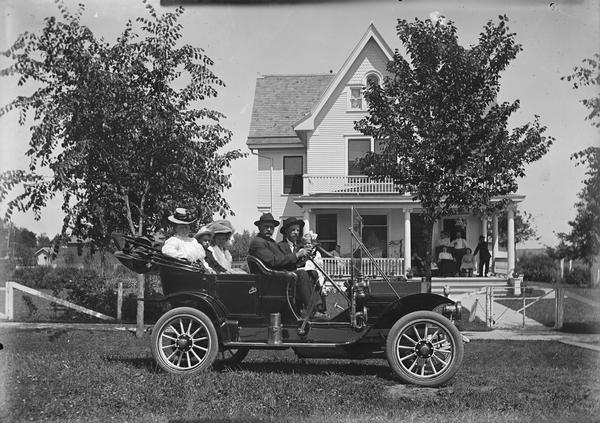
(341, 267)
(317, 184)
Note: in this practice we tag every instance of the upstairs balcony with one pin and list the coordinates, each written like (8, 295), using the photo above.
(321, 184)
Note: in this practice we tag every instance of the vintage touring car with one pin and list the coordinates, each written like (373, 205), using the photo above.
(224, 316)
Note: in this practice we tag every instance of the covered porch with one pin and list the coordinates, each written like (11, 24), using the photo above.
(393, 225)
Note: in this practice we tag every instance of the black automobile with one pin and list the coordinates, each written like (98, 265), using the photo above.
(223, 316)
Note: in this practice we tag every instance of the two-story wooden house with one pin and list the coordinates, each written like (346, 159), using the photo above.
(302, 132)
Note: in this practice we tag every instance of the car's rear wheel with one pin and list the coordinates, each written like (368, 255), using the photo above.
(232, 356)
(184, 341)
(424, 348)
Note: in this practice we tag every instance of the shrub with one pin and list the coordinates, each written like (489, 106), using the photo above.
(577, 276)
(538, 268)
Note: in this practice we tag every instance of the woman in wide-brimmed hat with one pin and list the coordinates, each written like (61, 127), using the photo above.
(181, 245)
(222, 231)
(204, 237)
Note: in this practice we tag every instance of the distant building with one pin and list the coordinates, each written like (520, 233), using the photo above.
(43, 256)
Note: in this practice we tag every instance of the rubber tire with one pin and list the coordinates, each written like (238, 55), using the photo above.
(235, 358)
(213, 340)
(455, 338)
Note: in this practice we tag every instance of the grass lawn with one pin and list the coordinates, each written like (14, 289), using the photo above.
(578, 316)
(80, 375)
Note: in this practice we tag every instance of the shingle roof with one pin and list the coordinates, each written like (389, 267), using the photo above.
(281, 100)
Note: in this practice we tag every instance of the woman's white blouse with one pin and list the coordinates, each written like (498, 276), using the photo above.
(184, 248)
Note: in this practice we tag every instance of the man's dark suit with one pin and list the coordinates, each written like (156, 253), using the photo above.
(270, 253)
(274, 256)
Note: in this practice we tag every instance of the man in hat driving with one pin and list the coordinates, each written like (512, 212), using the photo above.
(276, 257)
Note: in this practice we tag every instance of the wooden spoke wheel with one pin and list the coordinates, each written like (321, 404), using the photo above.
(184, 341)
(424, 348)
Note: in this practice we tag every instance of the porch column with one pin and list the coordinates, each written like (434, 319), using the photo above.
(484, 223)
(511, 238)
(306, 219)
(407, 246)
(494, 241)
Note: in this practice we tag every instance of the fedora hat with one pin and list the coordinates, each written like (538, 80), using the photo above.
(182, 216)
(266, 218)
(289, 222)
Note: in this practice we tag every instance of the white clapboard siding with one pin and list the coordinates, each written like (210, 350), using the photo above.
(283, 205)
(327, 150)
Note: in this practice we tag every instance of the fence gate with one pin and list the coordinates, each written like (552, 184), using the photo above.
(9, 310)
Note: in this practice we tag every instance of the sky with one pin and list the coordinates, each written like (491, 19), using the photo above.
(246, 41)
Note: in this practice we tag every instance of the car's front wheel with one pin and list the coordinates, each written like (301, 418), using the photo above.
(424, 348)
(184, 341)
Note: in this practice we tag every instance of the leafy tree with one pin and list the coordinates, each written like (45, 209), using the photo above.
(120, 126)
(524, 227)
(588, 75)
(241, 244)
(583, 241)
(43, 241)
(125, 145)
(584, 237)
(442, 135)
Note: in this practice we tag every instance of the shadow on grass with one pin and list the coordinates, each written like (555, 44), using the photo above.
(310, 367)
(145, 363)
(218, 420)
(581, 327)
(307, 367)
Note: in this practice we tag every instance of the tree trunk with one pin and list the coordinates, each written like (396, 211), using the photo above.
(427, 231)
(139, 328)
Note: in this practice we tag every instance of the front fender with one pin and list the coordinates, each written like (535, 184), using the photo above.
(409, 304)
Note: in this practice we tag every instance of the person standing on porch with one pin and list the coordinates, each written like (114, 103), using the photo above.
(484, 256)
(460, 247)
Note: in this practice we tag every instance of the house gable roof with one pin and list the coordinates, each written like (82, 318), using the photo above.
(279, 101)
(307, 123)
(43, 250)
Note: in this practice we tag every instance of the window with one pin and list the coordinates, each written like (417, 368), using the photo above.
(326, 228)
(357, 147)
(374, 234)
(356, 99)
(292, 175)
(372, 78)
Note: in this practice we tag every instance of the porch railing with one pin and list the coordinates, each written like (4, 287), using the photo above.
(341, 267)
(317, 184)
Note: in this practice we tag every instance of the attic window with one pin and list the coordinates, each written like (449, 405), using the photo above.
(356, 98)
(372, 79)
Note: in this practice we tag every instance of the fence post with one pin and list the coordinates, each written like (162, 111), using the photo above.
(9, 304)
(523, 295)
(562, 268)
(120, 301)
(559, 309)
(489, 299)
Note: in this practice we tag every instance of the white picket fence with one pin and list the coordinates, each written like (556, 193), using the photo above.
(342, 266)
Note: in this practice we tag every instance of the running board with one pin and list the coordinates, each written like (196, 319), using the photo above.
(282, 345)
